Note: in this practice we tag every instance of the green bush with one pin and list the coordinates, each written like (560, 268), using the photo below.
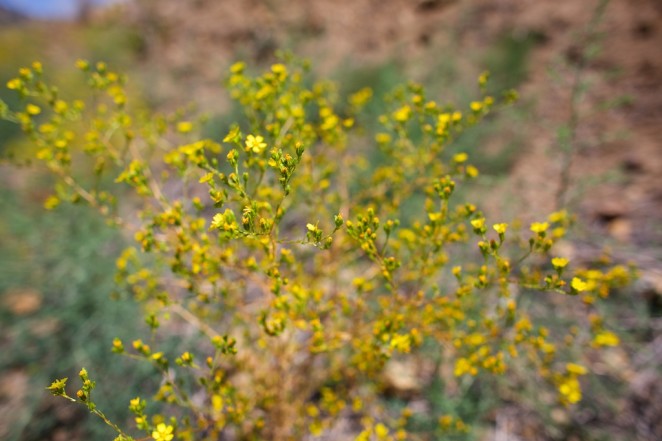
(303, 255)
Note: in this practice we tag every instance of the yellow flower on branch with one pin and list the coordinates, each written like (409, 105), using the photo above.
(539, 227)
(578, 284)
(576, 369)
(163, 433)
(606, 338)
(184, 126)
(559, 262)
(500, 228)
(255, 144)
(32, 109)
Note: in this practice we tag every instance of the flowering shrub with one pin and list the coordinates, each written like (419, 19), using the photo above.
(301, 255)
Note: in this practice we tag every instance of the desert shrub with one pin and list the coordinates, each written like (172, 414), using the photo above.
(301, 255)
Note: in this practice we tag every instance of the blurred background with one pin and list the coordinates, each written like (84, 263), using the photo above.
(589, 75)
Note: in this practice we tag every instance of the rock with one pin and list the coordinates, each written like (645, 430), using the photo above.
(22, 301)
(620, 229)
(400, 377)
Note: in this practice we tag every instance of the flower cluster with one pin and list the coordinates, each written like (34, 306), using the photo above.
(306, 259)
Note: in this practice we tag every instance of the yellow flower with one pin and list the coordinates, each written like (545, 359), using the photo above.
(460, 158)
(51, 202)
(381, 431)
(558, 216)
(401, 343)
(476, 106)
(255, 144)
(571, 390)
(383, 138)
(279, 69)
(478, 223)
(576, 369)
(606, 338)
(443, 119)
(482, 79)
(539, 227)
(238, 67)
(32, 109)
(558, 232)
(60, 107)
(445, 421)
(462, 366)
(402, 114)
(500, 228)
(578, 284)
(361, 97)
(82, 64)
(559, 262)
(233, 135)
(184, 126)
(14, 84)
(472, 171)
(163, 433)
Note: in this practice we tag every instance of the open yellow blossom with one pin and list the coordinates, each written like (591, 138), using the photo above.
(578, 284)
(184, 126)
(539, 227)
(280, 70)
(383, 138)
(463, 366)
(32, 109)
(163, 433)
(558, 216)
(478, 223)
(402, 114)
(606, 338)
(559, 262)
(82, 64)
(476, 106)
(482, 79)
(571, 390)
(576, 369)
(14, 84)
(255, 144)
(238, 67)
(381, 431)
(471, 171)
(500, 228)
(460, 158)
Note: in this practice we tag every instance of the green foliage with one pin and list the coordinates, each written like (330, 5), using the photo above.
(67, 259)
(508, 60)
(289, 254)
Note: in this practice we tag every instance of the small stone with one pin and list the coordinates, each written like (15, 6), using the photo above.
(620, 229)
(22, 301)
(401, 377)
